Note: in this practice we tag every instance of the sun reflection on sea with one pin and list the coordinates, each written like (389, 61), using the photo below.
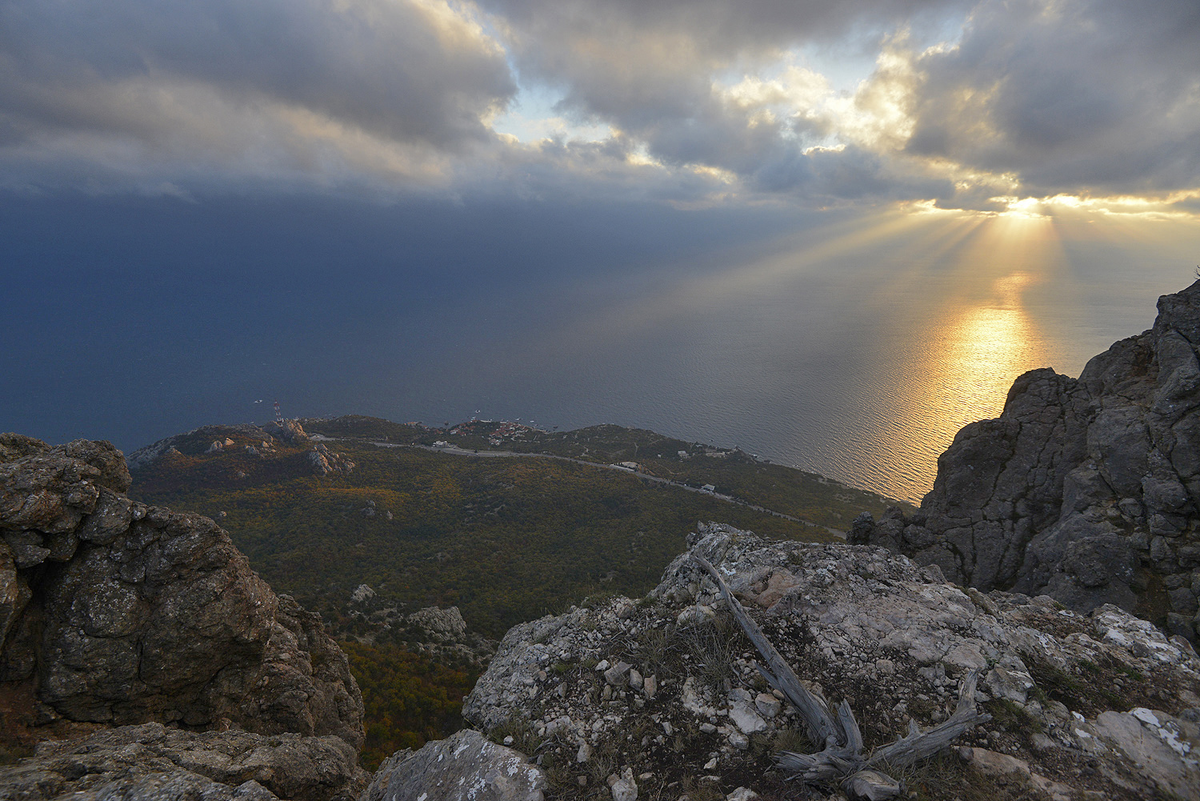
(984, 348)
(859, 349)
(959, 361)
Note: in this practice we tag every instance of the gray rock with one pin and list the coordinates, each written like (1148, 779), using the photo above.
(15, 446)
(324, 461)
(857, 623)
(462, 766)
(1157, 744)
(742, 794)
(150, 761)
(289, 431)
(625, 788)
(744, 713)
(618, 674)
(440, 625)
(1087, 490)
(1009, 680)
(768, 705)
(150, 615)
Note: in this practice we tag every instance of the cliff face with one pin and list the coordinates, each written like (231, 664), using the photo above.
(113, 613)
(1084, 489)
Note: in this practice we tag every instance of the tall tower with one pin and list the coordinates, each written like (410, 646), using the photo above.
(278, 414)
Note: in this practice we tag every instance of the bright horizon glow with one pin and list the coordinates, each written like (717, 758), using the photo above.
(990, 312)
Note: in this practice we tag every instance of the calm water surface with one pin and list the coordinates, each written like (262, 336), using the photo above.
(858, 356)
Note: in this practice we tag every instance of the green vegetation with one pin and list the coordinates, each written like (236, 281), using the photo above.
(409, 699)
(1012, 717)
(732, 472)
(948, 776)
(504, 539)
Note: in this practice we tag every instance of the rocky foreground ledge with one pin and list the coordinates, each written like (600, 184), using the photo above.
(658, 698)
(151, 663)
(147, 632)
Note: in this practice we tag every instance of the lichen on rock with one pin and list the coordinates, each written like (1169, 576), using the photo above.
(860, 624)
(152, 761)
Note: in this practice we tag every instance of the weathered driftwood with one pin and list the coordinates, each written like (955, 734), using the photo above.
(842, 759)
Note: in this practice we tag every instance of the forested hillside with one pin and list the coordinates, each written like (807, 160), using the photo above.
(424, 520)
(504, 539)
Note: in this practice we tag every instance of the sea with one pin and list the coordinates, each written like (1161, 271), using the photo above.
(858, 356)
(848, 343)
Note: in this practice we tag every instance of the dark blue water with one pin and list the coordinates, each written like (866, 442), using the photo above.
(850, 344)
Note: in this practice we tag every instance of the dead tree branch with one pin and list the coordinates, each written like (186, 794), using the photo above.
(842, 759)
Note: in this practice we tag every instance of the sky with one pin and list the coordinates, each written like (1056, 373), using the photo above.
(208, 204)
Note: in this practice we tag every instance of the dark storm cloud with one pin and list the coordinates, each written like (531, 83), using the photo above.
(1080, 96)
(702, 100)
(407, 71)
(715, 28)
(133, 318)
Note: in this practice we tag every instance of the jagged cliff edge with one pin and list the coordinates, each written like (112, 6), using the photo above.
(1087, 490)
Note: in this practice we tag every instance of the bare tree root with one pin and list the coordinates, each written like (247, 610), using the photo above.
(842, 760)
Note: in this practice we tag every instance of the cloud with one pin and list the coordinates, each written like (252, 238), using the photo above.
(703, 31)
(248, 80)
(712, 84)
(697, 101)
(1074, 96)
(1036, 97)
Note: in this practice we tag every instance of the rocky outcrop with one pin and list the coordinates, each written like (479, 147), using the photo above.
(661, 697)
(441, 634)
(440, 625)
(464, 765)
(208, 440)
(1084, 489)
(151, 761)
(244, 450)
(113, 613)
(290, 431)
(325, 461)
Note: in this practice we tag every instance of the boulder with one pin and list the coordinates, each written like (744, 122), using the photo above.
(465, 765)
(116, 613)
(440, 625)
(324, 461)
(289, 431)
(150, 761)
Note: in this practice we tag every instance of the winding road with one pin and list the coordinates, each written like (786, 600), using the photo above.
(456, 451)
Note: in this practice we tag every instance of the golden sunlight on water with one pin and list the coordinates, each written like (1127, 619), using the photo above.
(984, 349)
(859, 350)
(953, 363)
(966, 360)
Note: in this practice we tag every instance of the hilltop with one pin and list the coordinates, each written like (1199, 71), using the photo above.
(504, 521)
